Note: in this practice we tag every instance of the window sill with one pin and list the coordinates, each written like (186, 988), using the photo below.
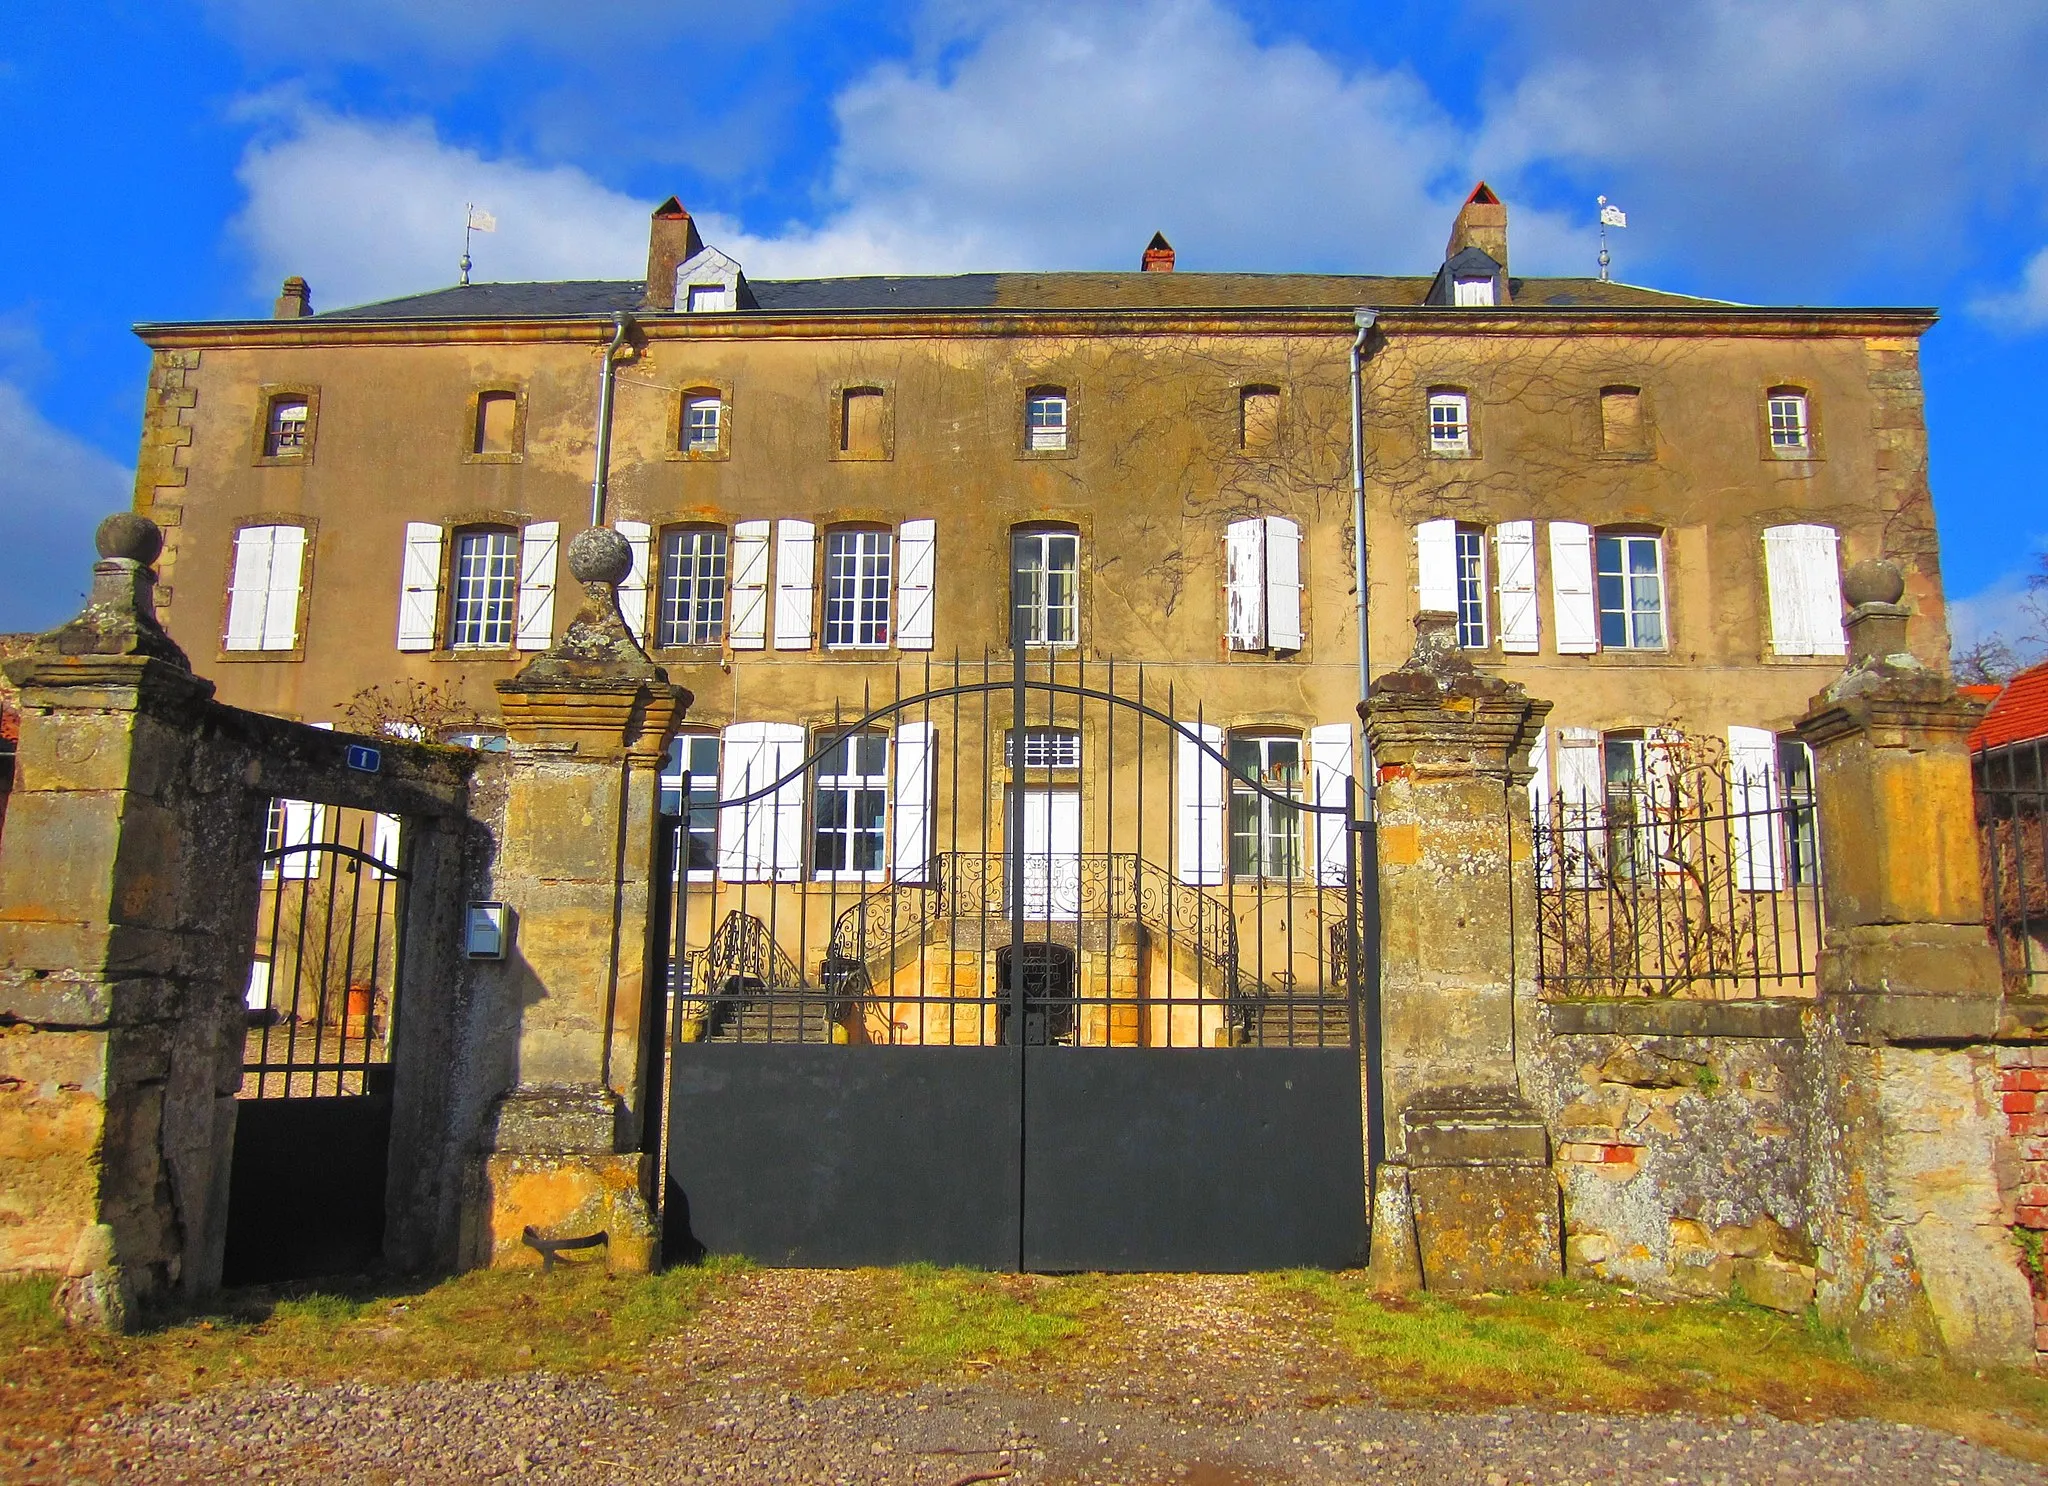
(491, 654)
(697, 456)
(500, 457)
(274, 461)
(1062, 453)
(1436, 453)
(243, 657)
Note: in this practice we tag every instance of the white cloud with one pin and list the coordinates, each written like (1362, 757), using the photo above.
(2025, 306)
(54, 489)
(2012, 609)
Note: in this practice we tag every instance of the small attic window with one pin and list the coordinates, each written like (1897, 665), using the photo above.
(1472, 291)
(286, 434)
(707, 297)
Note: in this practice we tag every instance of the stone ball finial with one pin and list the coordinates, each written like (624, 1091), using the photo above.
(125, 534)
(1874, 581)
(600, 555)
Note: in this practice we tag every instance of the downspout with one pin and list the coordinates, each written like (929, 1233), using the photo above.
(608, 375)
(1365, 320)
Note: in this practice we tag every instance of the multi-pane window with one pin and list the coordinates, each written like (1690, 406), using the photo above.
(1795, 794)
(1045, 420)
(1450, 423)
(1630, 824)
(703, 424)
(1790, 431)
(693, 760)
(857, 579)
(1630, 575)
(1472, 588)
(692, 587)
(1045, 587)
(486, 589)
(849, 805)
(285, 433)
(1044, 748)
(1265, 834)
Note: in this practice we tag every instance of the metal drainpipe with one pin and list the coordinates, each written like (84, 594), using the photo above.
(1365, 320)
(607, 376)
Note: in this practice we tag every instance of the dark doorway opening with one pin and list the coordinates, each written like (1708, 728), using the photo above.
(1048, 993)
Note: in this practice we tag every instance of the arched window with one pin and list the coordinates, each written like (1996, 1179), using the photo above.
(1045, 570)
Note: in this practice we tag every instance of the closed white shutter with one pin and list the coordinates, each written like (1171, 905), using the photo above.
(249, 588)
(748, 627)
(303, 823)
(917, 551)
(795, 545)
(1581, 805)
(633, 592)
(1540, 822)
(1436, 566)
(762, 840)
(281, 606)
(1571, 588)
(1329, 763)
(1752, 796)
(1244, 558)
(1283, 583)
(539, 545)
(1201, 807)
(1804, 576)
(1514, 551)
(419, 592)
(915, 743)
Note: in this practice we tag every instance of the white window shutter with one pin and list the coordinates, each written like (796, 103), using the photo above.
(1436, 566)
(281, 606)
(747, 629)
(1571, 588)
(1514, 552)
(249, 589)
(1329, 762)
(539, 545)
(1283, 584)
(633, 592)
(1752, 796)
(761, 841)
(303, 822)
(1540, 822)
(917, 554)
(384, 844)
(915, 744)
(1244, 549)
(419, 595)
(1581, 804)
(786, 753)
(1201, 807)
(795, 547)
(1803, 574)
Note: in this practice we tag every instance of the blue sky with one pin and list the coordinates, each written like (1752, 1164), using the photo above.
(173, 160)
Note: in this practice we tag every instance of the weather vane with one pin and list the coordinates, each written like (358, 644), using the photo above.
(1610, 216)
(478, 221)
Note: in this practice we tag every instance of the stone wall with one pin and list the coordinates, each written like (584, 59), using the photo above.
(2023, 1100)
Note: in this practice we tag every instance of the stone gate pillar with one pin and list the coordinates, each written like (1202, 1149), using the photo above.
(567, 1149)
(1915, 1251)
(1465, 1199)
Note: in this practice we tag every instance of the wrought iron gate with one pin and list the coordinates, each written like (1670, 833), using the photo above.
(313, 1119)
(1025, 969)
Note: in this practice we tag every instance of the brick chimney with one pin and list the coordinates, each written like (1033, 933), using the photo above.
(1158, 255)
(672, 241)
(294, 302)
(1482, 223)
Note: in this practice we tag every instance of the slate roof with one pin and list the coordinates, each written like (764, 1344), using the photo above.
(2020, 714)
(583, 299)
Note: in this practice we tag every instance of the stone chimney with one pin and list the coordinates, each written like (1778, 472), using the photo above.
(672, 241)
(294, 301)
(1158, 255)
(1482, 223)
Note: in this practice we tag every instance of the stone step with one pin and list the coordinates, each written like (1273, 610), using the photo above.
(770, 1021)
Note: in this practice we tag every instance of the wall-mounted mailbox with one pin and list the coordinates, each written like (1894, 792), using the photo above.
(485, 936)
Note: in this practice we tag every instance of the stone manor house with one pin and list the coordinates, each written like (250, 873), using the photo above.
(1636, 503)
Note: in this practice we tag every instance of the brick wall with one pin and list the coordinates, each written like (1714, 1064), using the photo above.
(2023, 1093)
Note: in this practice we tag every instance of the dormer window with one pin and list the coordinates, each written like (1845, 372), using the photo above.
(1471, 290)
(704, 297)
(1791, 430)
(710, 282)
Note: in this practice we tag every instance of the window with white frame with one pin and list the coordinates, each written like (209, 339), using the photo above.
(1450, 423)
(1791, 430)
(486, 584)
(1471, 556)
(1629, 574)
(1472, 290)
(263, 592)
(1045, 585)
(1045, 420)
(1044, 748)
(692, 587)
(1799, 820)
(1265, 834)
(849, 809)
(703, 423)
(689, 788)
(858, 570)
(284, 435)
(1627, 804)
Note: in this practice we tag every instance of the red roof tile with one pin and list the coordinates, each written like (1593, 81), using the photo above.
(2019, 715)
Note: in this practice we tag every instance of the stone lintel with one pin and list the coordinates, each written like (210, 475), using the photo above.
(1911, 959)
(1474, 1127)
(554, 1119)
(595, 717)
(105, 683)
(1640, 1016)
(1905, 714)
(1870, 1017)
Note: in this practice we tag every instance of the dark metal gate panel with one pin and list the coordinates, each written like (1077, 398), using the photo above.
(306, 1189)
(832, 1155)
(1191, 1159)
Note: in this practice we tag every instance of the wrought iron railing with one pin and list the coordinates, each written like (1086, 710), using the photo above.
(2012, 825)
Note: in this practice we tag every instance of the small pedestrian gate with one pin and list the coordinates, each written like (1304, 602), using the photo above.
(1020, 971)
(313, 1120)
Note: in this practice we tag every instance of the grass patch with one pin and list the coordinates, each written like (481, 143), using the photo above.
(900, 1325)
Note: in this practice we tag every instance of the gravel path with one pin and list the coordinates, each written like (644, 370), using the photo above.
(546, 1429)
